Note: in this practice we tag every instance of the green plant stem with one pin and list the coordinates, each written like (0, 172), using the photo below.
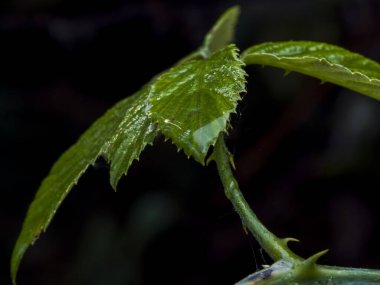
(274, 246)
(307, 273)
(297, 269)
(354, 275)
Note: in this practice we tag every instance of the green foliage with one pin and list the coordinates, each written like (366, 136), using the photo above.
(326, 62)
(222, 33)
(122, 133)
(191, 104)
(181, 100)
(119, 135)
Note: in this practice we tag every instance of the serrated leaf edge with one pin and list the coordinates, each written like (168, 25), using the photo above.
(235, 54)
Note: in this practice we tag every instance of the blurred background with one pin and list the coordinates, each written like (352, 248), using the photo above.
(306, 153)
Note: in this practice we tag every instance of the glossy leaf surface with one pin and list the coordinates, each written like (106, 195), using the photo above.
(324, 61)
(192, 103)
(222, 33)
(120, 135)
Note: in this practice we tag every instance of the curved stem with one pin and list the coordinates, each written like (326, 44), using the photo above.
(289, 268)
(274, 246)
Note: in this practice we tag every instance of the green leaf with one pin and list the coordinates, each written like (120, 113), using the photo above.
(192, 102)
(134, 132)
(120, 135)
(326, 62)
(222, 33)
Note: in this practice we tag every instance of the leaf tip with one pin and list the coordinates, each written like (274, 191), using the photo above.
(17, 255)
(14, 274)
(114, 180)
(222, 33)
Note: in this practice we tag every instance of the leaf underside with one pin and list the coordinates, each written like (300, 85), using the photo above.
(120, 135)
(192, 103)
(323, 61)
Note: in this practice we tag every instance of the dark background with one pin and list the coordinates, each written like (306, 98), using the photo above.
(306, 153)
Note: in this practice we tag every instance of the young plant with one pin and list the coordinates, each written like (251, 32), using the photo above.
(191, 104)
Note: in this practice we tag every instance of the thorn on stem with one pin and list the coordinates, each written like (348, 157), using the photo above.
(311, 262)
(288, 239)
